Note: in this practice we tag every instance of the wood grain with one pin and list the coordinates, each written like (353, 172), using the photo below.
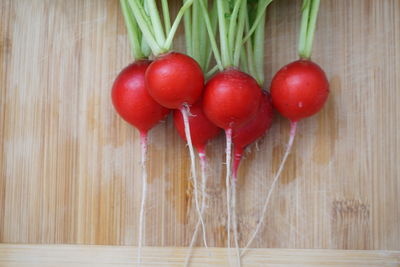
(79, 255)
(69, 166)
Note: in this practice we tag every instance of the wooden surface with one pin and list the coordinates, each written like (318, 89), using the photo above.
(103, 256)
(69, 166)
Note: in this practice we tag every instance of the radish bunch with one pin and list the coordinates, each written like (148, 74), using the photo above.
(207, 100)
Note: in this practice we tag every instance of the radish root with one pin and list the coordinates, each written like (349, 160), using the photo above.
(185, 114)
(203, 205)
(293, 126)
(228, 152)
(143, 144)
(234, 220)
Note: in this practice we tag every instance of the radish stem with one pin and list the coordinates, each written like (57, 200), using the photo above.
(211, 31)
(211, 72)
(304, 27)
(187, 19)
(226, 58)
(258, 47)
(147, 30)
(155, 21)
(257, 20)
(143, 144)
(293, 126)
(232, 24)
(239, 34)
(311, 28)
(167, 19)
(185, 111)
(171, 34)
(196, 40)
(133, 33)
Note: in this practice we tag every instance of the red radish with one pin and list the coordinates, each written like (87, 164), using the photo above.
(299, 89)
(231, 98)
(253, 130)
(175, 79)
(132, 101)
(201, 131)
(134, 104)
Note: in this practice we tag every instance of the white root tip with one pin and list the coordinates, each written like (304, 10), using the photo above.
(234, 220)
(143, 143)
(293, 126)
(185, 114)
(228, 152)
(203, 205)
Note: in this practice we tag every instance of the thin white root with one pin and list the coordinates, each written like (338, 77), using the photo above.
(234, 222)
(293, 126)
(228, 151)
(185, 111)
(203, 205)
(143, 143)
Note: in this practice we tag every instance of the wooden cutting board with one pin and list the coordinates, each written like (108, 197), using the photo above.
(69, 166)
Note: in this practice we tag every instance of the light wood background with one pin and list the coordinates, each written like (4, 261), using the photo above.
(123, 256)
(69, 166)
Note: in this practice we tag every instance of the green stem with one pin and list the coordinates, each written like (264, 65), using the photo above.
(249, 51)
(196, 47)
(204, 42)
(140, 15)
(171, 34)
(146, 50)
(155, 21)
(311, 28)
(243, 60)
(239, 33)
(211, 34)
(187, 21)
(259, 46)
(133, 33)
(232, 23)
(264, 6)
(214, 30)
(211, 72)
(167, 19)
(303, 27)
(226, 59)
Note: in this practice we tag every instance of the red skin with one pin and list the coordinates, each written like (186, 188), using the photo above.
(231, 98)
(201, 128)
(253, 130)
(174, 79)
(132, 101)
(299, 89)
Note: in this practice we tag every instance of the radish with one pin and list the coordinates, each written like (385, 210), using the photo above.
(298, 90)
(134, 104)
(231, 97)
(174, 80)
(132, 101)
(202, 130)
